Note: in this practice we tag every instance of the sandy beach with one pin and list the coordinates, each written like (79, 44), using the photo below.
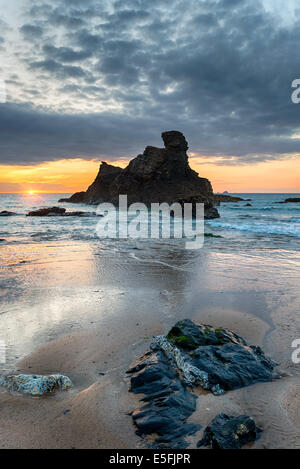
(78, 310)
(149, 226)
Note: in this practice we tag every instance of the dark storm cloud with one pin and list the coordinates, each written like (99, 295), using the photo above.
(218, 70)
(65, 54)
(52, 136)
(31, 31)
(61, 71)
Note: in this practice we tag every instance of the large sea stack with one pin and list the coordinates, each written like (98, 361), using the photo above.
(158, 175)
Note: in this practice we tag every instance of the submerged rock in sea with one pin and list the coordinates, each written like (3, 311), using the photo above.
(191, 355)
(58, 212)
(80, 214)
(228, 432)
(36, 385)
(218, 198)
(158, 175)
(5, 213)
(46, 212)
(291, 200)
(211, 235)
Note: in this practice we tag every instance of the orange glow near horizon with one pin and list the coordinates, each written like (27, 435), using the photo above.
(68, 176)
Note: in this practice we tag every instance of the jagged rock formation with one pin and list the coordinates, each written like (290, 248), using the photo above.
(158, 175)
(194, 355)
(167, 402)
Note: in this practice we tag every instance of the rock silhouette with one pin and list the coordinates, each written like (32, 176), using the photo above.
(291, 200)
(58, 212)
(5, 213)
(158, 175)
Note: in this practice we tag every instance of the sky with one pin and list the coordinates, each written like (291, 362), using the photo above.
(93, 80)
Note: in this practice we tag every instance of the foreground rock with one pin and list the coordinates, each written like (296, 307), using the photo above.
(220, 359)
(227, 432)
(58, 212)
(158, 175)
(191, 355)
(36, 385)
(291, 200)
(168, 403)
(5, 213)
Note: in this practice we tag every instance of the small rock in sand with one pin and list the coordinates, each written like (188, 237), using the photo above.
(228, 432)
(35, 385)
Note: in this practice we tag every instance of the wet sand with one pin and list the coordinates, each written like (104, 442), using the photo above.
(90, 316)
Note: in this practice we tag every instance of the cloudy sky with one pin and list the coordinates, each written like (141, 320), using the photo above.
(92, 80)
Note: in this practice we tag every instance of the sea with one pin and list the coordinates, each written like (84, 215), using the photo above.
(266, 223)
(60, 284)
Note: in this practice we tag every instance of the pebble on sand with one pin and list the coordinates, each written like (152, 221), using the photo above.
(36, 385)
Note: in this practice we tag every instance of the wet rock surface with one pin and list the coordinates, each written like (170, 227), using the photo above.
(158, 175)
(229, 432)
(167, 402)
(35, 385)
(232, 366)
(191, 355)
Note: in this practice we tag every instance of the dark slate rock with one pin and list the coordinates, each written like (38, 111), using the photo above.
(228, 432)
(191, 355)
(233, 366)
(188, 335)
(168, 403)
